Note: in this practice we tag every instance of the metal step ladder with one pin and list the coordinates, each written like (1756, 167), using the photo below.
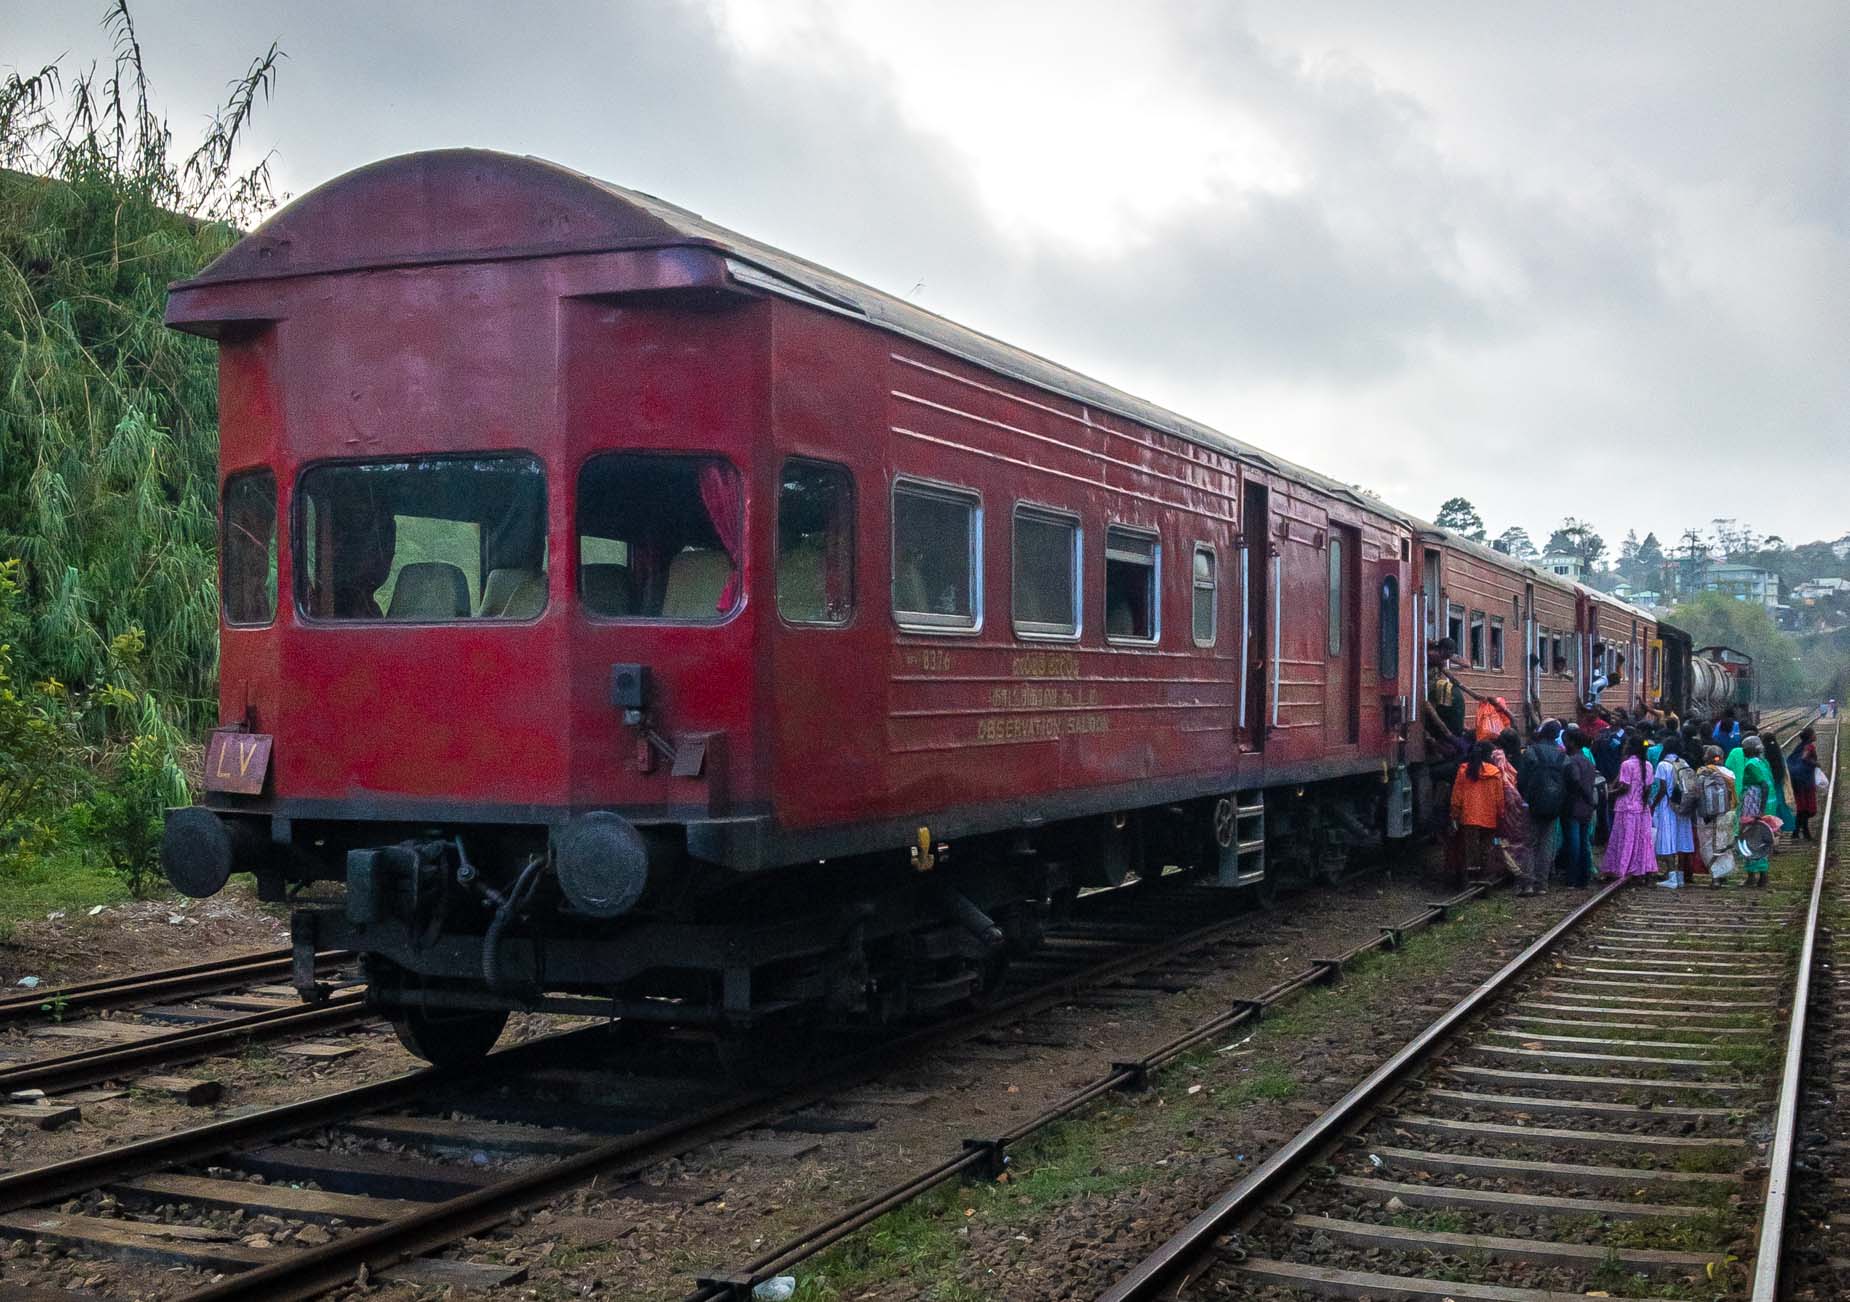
(1240, 829)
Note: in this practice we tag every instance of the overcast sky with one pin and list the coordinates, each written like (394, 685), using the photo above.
(1561, 258)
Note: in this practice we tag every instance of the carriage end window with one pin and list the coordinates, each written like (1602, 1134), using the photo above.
(427, 540)
(815, 544)
(1477, 639)
(1389, 623)
(660, 536)
(937, 557)
(248, 555)
(1496, 641)
(1336, 596)
(1131, 561)
(1044, 584)
(1455, 625)
(1205, 583)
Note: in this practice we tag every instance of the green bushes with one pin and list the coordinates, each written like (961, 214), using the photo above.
(84, 776)
(108, 459)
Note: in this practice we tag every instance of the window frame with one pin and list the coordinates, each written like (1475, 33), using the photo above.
(740, 597)
(1333, 569)
(1453, 608)
(1038, 630)
(850, 513)
(1387, 615)
(1155, 538)
(1495, 644)
(275, 559)
(1211, 587)
(299, 503)
(926, 622)
(1476, 639)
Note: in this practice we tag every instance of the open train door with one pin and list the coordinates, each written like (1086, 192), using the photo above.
(1256, 588)
(1342, 692)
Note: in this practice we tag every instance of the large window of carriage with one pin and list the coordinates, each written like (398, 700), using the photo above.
(1455, 625)
(422, 540)
(1388, 627)
(1133, 561)
(247, 552)
(1205, 584)
(1496, 641)
(937, 557)
(1044, 578)
(660, 537)
(1477, 639)
(815, 543)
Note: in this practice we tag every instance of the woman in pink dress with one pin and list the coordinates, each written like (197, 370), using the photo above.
(1630, 852)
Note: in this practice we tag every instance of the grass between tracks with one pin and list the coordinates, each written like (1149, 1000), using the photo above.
(923, 1244)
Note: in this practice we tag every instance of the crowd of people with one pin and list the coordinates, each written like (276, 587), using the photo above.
(1660, 797)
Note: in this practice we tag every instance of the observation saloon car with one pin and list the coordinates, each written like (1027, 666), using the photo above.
(623, 616)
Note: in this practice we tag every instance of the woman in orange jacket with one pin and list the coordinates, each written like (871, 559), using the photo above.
(1477, 805)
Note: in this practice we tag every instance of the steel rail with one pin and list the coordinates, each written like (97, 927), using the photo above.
(1173, 1259)
(195, 978)
(308, 1273)
(41, 1184)
(986, 1154)
(89, 1066)
(1786, 1119)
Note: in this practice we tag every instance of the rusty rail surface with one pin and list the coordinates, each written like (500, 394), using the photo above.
(162, 983)
(1786, 1119)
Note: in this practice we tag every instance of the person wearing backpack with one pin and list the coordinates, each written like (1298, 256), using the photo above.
(1577, 812)
(1541, 780)
(1630, 852)
(1675, 795)
(1715, 816)
(1608, 751)
(1802, 765)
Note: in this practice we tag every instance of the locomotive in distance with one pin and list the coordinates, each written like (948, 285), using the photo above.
(621, 615)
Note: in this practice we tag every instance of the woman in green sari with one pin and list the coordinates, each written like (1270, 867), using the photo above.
(1754, 780)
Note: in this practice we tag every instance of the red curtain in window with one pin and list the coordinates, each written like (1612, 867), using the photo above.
(721, 495)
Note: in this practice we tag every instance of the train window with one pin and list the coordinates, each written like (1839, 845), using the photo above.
(1388, 619)
(1336, 596)
(1496, 641)
(815, 544)
(1044, 589)
(426, 540)
(1455, 625)
(1132, 558)
(1206, 580)
(659, 537)
(937, 557)
(248, 556)
(1477, 639)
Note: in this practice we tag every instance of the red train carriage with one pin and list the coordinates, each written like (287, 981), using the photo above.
(631, 616)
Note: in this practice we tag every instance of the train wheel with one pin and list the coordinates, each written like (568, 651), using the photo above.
(447, 1037)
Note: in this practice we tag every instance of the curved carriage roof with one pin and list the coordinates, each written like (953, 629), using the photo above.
(468, 204)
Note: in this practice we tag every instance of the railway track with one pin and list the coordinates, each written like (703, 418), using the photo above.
(68, 1037)
(1613, 1113)
(404, 1167)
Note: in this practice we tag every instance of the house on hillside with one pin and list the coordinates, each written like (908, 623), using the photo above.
(1568, 565)
(1747, 583)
